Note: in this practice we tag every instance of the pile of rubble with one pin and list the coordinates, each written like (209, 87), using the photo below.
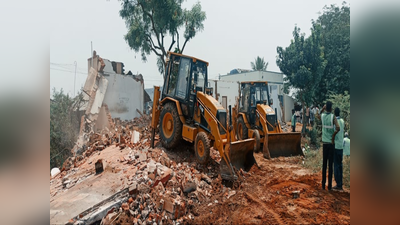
(161, 190)
(121, 133)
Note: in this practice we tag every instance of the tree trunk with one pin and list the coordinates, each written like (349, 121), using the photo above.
(303, 130)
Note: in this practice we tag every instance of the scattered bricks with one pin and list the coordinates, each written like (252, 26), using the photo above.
(122, 140)
(151, 166)
(122, 146)
(130, 200)
(231, 193)
(206, 178)
(152, 176)
(143, 188)
(189, 186)
(164, 160)
(133, 188)
(163, 178)
(179, 209)
(142, 166)
(121, 159)
(125, 206)
(145, 213)
(160, 204)
(142, 156)
(159, 188)
(168, 204)
(99, 166)
(296, 194)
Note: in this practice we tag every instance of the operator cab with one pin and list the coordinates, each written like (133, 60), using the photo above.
(254, 93)
(184, 76)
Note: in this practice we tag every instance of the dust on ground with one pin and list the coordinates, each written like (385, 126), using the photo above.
(266, 197)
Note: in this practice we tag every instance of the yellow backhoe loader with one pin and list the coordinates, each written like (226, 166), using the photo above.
(187, 111)
(254, 117)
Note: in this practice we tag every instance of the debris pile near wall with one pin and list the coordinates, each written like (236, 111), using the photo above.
(169, 187)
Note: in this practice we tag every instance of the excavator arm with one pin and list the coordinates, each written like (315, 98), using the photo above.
(238, 154)
(219, 143)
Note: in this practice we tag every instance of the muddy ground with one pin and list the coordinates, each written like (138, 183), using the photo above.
(266, 197)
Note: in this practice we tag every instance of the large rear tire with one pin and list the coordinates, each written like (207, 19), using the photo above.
(242, 130)
(170, 126)
(256, 135)
(202, 148)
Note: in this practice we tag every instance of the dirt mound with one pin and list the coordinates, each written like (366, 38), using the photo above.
(268, 197)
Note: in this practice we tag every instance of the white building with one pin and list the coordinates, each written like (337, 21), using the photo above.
(226, 90)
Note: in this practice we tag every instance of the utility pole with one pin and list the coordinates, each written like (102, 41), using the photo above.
(75, 78)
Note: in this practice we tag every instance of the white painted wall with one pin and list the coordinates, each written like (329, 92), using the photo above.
(124, 95)
(276, 103)
(273, 78)
(288, 105)
(225, 88)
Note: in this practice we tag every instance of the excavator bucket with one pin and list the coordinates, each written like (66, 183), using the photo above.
(283, 144)
(241, 156)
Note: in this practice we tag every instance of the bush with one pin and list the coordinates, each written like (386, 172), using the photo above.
(64, 126)
(343, 102)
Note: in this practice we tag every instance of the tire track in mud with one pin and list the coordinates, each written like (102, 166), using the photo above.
(276, 216)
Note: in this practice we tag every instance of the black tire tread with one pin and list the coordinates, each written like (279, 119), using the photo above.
(177, 134)
(245, 131)
(203, 136)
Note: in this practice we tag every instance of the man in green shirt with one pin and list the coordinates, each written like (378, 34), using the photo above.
(329, 132)
(338, 156)
(293, 121)
(346, 144)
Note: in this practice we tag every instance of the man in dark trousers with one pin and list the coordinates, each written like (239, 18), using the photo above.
(338, 158)
(293, 121)
(329, 123)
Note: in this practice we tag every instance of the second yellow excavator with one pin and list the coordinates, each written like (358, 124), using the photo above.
(254, 117)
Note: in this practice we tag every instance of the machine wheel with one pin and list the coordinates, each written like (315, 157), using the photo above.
(202, 148)
(170, 126)
(242, 130)
(256, 135)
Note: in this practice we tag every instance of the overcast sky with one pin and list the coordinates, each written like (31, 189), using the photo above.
(235, 32)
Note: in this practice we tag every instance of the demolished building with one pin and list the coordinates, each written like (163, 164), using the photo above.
(109, 93)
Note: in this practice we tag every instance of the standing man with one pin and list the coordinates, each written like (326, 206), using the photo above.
(346, 145)
(293, 121)
(338, 157)
(312, 113)
(307, 116)
(328, 139)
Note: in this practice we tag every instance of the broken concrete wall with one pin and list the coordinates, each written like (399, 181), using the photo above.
(108, 93)
(102, 120)
(125, 93)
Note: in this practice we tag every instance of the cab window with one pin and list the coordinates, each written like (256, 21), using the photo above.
(184, 71)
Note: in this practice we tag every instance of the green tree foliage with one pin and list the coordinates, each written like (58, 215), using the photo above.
(150, 21)
(259, 64)
(335, 38)
(303, 64)
(64, 126)
(342, 101)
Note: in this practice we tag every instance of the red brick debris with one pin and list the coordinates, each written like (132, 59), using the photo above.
(161, 190)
